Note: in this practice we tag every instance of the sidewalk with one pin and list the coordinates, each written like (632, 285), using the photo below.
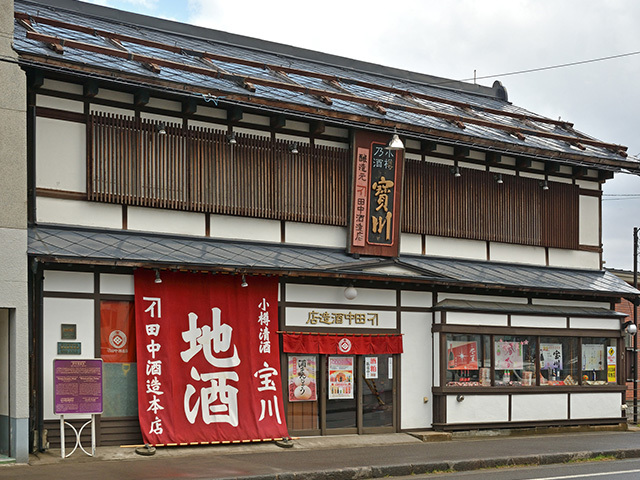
(335, 457)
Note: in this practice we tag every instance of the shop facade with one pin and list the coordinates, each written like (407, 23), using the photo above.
(453, 282)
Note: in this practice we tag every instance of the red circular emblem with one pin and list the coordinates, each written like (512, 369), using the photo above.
(344, 345)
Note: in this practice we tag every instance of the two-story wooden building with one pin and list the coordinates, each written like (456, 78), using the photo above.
(383, 250)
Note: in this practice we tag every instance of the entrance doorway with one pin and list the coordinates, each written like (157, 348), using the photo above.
(343, 394)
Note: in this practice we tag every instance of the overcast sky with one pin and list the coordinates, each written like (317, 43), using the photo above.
(454, 38)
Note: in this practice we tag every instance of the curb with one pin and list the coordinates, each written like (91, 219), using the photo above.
(360, 473)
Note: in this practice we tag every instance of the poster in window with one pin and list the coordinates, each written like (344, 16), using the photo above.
(462, 356)
(551, 356)
(117, 332)
(593, 356)
(509, 355)
(340, 378)
(370, 368)
(302, 378)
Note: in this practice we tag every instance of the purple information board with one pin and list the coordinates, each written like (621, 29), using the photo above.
(77, 386)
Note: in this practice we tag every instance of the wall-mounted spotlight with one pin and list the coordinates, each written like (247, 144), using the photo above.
(293, 148)
(460, 398)
(395, 143)
(161, 128)
(544, 185)
(498, 178)
(629, 327)
(157, 279)
(231, 138)
(244, 282)
(350, 292)
(456, 171)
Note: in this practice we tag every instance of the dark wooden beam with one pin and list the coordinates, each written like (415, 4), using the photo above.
(278, 121)
(604, 175)
(494, 158)
(141, 98)
(579, 172)
(90, 89)
(460, 152)
(36, 80)
(427, 146)
(551, 167)
(189, 106)
(317, 127)
(235, 114)
(522, 162)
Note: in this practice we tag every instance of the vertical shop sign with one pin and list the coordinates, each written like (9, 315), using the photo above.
(340, 378)
(376, 193)
(207, 361)
(381, 195)
(361, 193)
(117, 332)
(371, 368)
(302, 378)
(611, 364)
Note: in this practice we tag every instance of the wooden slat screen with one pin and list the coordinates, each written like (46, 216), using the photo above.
(475, 206)
(196, 169)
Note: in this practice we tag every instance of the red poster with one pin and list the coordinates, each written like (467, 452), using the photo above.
(462, 356)
(208, 360)
(117, 332)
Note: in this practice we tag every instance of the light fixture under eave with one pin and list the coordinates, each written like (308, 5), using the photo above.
(231, 138)
(162, 128)
(244, 282)
(350, 292)
(456, 171)
(629, 327)
(157, 279)
(499, 180)
(395, 143)
(544, 185)
(293, 148)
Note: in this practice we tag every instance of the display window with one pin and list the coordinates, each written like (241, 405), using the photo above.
(529, 360)
(515, 360)
(468, 360)
(599, 362)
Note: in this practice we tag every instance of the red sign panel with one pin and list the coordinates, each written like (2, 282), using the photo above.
(117, 332)
(462, 356)
(360, 195)
(208, 360)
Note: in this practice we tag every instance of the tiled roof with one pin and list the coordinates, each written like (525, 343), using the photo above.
(117, 247)
(107, 44)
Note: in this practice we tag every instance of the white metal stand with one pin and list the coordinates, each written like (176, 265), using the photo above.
(92, 421)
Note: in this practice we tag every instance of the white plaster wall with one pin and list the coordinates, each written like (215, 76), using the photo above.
(244, 228)
(439, 161)
(506, 252)
(165, 221)
(78, 212)
(539, 407)
(574, 259)
(116, 284)
(410, 244)
(252, 131)
(336, 132)
(478, 409)
(294, 125)
(208, 125)
(589, 221)
(318, 235)
(331, 143)
(66, 87)
(60, 103)
(56, 312)
(219, 113)
(538, 321)
(106, 94)
(167, 119)
(596, 405)
(587, 185)
(416, 371)
(61, 155)
(470, 166)
(114, 110)
(480, 298)
(292, 138)
(410, 298)
(164, 104)
(480, 319)
(456, 248)
(318, 295)
(63, 281)
(595, 323)
(535, 176)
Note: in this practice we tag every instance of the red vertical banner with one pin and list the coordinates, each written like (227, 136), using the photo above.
(208, 359)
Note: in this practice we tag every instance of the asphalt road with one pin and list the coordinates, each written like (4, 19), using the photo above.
(591, 470)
